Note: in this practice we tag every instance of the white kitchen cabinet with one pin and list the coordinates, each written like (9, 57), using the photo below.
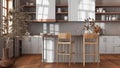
(31, 45)
(116, 45)
(26, 45)
(36, 45)
(79, 10)
(102, 44)
(109, 45)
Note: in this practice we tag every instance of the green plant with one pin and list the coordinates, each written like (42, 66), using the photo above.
(14, 24)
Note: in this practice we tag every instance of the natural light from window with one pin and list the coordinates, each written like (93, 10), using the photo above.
(53, 28)
(86, 9)
(42, 9)
(7, 5)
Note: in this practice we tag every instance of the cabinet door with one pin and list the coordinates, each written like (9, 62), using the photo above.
(36, 48)
(81, 9)
(109, 44)
(40, 43)
(116, 45)
(26, 45)
(45, 9)
(102, 44)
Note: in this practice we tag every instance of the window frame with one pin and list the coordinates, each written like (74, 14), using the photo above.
(6, 6)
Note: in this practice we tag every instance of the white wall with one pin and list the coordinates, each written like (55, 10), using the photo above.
(108, 2)
(111, 2)
(0, 13)
(0, 27)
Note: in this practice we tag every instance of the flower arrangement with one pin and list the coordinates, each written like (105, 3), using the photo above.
(90, 26)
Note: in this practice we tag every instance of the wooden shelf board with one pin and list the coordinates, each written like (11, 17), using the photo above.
(61, 21)
(106, 13)
(42, 21)
(108, 6)
(107, 21)
(62, 13)
(29, 5)
(64, 5)
(30, 12)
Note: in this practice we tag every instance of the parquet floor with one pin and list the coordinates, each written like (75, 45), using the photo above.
(34, 61)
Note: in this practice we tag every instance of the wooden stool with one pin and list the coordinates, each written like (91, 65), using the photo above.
(64, 40)
(90, 39)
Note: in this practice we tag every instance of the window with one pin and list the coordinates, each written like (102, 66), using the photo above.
(86, 9)
(44, 28)
(6, 7)
(53, 28)
(42, 9)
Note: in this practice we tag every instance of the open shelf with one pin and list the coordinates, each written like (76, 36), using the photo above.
(30, 13)
(108, 13)
(108, 21)
(61, 21)
(108, 6)
(29, 5)
(42, 21)
(62, 13)
(64, 5)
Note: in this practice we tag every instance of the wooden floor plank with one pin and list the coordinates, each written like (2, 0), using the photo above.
(34, 61)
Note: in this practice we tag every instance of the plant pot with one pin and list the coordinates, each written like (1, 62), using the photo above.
(5, 53)
(5, 62)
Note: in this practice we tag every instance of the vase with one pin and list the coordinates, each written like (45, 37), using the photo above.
(5, 53)
(5, 61)
(86, 31)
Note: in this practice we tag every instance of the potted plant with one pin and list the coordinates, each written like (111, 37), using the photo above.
(17, 28)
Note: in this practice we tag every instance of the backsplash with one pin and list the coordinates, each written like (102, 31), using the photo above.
(74, 28)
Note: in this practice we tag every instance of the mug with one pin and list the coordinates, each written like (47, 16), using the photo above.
(65, 18)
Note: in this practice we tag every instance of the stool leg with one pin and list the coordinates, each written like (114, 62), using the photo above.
(83, 52)
(57, 56)
(63, 55)
(98, 54)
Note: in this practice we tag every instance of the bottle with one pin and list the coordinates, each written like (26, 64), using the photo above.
(65, 18)
(27, 3)
(110, 18)
(113, 17)
(97, 10)
(59, 10)
(103, 11)
(107, 18)
(103, 17)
